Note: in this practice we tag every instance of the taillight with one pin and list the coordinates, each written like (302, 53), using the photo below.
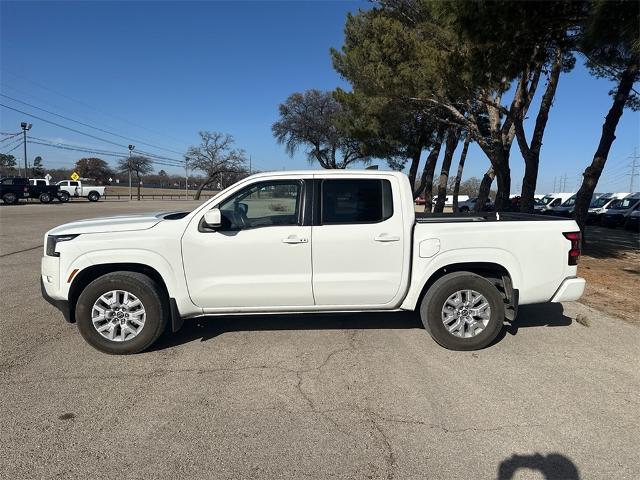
(26, 189)
(574, 253)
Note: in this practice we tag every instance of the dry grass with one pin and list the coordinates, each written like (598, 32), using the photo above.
(124, 190)
(612, 286)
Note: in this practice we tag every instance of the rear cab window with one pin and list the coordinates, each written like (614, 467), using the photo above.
(355, 201)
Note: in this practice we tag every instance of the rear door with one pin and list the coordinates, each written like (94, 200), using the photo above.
(358, 241)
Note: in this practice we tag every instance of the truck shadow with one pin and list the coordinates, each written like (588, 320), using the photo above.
(553, 466)
(208, 327)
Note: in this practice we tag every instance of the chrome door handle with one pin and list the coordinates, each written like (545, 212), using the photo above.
(294, 239)
(384, 237)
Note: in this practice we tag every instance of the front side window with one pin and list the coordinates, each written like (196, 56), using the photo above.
(73, 184)
(265, 204)
(356, 201)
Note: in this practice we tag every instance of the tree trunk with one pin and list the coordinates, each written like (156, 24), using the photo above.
(456, 186)
(413, 170)
(426, 182)
(138, 180)
(201, 187)
(529, 182)
(450, 148)
(592, 173)
(485, 189)
(503, 180)
(531, 153)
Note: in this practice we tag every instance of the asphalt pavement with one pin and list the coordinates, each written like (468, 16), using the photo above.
(351, 396)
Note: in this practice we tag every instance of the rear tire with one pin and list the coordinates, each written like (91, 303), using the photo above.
(45, 198)
(436, 301)
(151, 297)
(93, 196)
(10, 198)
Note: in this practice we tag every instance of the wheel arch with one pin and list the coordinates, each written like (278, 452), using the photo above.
(89, 274)
(499, 275)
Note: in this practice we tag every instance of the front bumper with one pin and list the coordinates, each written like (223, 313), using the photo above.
(570, 290)
(62, 305)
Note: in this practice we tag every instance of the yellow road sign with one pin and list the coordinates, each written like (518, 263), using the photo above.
(75, 176)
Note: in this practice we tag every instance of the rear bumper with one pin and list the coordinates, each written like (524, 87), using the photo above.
(571, 289)
(62, 305)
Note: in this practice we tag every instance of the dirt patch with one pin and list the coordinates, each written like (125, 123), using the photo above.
(612, 284)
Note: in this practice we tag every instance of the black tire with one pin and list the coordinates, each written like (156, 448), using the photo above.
(45, 198)
(64, 197)
(10, 198)
(93, 196)
(439, 292)
(464, 209)
(148, 292)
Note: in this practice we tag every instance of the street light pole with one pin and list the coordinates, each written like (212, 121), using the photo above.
(25, 126)
(186, 178)
(131, 147)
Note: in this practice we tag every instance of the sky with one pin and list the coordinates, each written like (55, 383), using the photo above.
(157, 73)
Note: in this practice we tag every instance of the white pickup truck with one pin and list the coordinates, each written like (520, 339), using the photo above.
(76, 189)
(309, 241)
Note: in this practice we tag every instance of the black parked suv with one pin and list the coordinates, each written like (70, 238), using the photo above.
(12, 189)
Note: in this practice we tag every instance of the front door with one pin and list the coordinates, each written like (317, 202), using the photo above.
(260, 257)
(358, 246)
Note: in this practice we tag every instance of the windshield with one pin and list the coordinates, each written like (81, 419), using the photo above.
(546, 200)
(600, 202)
(623, 204)
(569, 203)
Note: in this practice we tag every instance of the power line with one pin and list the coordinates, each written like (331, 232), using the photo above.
(89, 126)
(86, 105)
(633, 173)
(106, 153)
(15, 146)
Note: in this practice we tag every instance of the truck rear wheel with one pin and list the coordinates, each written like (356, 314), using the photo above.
(10, 198)
(93, 196)
(463, 311)
(45, 198)
(122, 313)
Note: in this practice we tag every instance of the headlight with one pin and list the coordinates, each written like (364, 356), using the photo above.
(53, 240)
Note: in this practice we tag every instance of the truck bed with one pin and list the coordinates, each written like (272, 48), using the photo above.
(426, 217)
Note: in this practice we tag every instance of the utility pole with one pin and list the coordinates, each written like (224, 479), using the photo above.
(634, 158)
(186, 178)
(249, 164)
(554, 184)
(131, 147)
(25, 126)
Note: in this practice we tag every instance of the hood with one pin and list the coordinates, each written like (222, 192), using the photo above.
(123, 223)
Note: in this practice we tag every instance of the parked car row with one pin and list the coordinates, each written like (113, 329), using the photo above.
(607, 209)
(14, 189)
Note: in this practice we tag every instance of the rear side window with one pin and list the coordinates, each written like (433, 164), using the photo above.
(356, 201)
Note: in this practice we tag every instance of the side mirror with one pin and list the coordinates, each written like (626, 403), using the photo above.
(213, 218)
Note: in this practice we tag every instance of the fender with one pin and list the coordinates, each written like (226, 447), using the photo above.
(171, 276)
(424, 268)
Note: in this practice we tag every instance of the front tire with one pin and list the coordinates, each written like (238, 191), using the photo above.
(93, 196)
(63, 196)
(463, 311)
(45, 198)
(122, 313)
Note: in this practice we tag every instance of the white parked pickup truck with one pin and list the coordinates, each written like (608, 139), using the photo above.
(77, 189)
(309, 241)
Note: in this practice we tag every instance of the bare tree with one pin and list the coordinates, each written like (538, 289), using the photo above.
(312, 119)
(214, 156)
(138, 165)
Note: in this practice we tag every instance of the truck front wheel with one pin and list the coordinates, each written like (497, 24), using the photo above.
(45, 198)
(463, 311)
(122, 313)
(63, 196)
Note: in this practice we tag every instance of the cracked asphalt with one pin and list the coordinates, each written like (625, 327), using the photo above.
(352, 396)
